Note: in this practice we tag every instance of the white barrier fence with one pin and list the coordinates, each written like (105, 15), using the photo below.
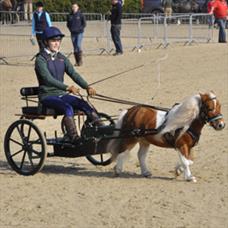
(138, 31)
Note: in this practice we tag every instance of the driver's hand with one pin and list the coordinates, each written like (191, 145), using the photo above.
(91, 91)
(73, 89)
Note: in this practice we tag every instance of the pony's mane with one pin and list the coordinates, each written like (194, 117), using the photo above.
(182, 115)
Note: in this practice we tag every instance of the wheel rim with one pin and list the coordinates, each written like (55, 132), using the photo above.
(102, 158)
(25, 147)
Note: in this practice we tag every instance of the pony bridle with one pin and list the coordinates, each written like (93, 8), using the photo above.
(205, 110)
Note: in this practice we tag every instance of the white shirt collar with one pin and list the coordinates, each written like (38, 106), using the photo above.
(52, 54)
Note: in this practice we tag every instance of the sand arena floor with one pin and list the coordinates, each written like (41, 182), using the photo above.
(74, 193)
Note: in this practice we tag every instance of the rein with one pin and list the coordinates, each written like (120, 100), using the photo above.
(121, 101)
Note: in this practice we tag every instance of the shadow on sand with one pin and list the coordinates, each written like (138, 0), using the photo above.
(77, 170)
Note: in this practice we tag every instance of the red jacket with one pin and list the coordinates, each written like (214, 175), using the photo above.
(220, 8)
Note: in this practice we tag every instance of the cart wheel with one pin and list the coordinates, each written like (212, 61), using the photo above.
(25, 147)
(102, 158)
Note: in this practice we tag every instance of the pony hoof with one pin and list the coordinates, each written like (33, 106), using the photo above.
(116, 172)
(147, 174)
(192, 179)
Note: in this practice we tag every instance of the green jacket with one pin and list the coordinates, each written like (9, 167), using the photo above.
(51, 79)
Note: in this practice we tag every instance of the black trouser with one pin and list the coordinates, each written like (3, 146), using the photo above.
(115, 32)
(40, 41)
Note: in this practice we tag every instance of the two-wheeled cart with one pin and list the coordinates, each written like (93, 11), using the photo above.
(26, 145)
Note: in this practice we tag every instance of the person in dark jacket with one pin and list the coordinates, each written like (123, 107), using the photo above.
(116, 16)
(76, 23)
(40, 21)
(50, 67)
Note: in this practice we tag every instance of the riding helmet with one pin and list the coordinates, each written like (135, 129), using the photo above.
(39, 4)
(53, 33)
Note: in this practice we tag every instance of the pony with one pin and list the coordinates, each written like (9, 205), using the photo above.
(178, 128)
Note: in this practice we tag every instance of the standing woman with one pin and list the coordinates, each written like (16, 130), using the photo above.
(116, 16)
(40, 21)
(76, 23)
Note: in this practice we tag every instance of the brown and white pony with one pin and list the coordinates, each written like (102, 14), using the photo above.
(180, 128)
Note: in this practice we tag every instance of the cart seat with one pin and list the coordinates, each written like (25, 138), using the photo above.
(39, 110)
(29, 91)
(30, 94)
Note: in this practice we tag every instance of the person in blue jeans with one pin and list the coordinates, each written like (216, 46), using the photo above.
(76, 23)
(116, 16)
(50, 67)
(220, 10)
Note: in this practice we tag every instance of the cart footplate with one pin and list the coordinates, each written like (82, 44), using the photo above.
(83, 148)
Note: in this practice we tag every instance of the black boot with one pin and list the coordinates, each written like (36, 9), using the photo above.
(71, 129)
(93, 116)
(79, 58)
(76, 58)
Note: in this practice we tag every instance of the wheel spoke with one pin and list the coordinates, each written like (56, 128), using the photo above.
(19, 151)
(102, 158)
(13, 140)
(30, 159)
(29, 132)
(23, 159)
(35, 152)
(35, 142)
(22, 138)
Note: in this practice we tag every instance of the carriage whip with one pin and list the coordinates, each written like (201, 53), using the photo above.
(159, 74)
(117, 74)
(137, 67)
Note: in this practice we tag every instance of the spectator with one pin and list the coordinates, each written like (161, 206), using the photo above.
(116, 16)
(40, 21)
(167, 4)
(27, 9)
(220, 10)
(50, 68)
(121, 2)
(76, 23)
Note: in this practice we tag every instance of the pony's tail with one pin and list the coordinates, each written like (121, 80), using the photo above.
(114, 145)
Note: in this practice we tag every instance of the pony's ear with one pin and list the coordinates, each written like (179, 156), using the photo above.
(212, 91)
(203, 96)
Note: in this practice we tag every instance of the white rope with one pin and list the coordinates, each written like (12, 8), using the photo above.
(159, 74)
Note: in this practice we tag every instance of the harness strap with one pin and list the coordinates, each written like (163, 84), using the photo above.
(220, 116)
(120, 101)
(194, 135)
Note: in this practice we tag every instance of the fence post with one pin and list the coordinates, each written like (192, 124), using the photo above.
(108, 36)
(190, 30)
(210, 28)
(165, 39)
(139, 36)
